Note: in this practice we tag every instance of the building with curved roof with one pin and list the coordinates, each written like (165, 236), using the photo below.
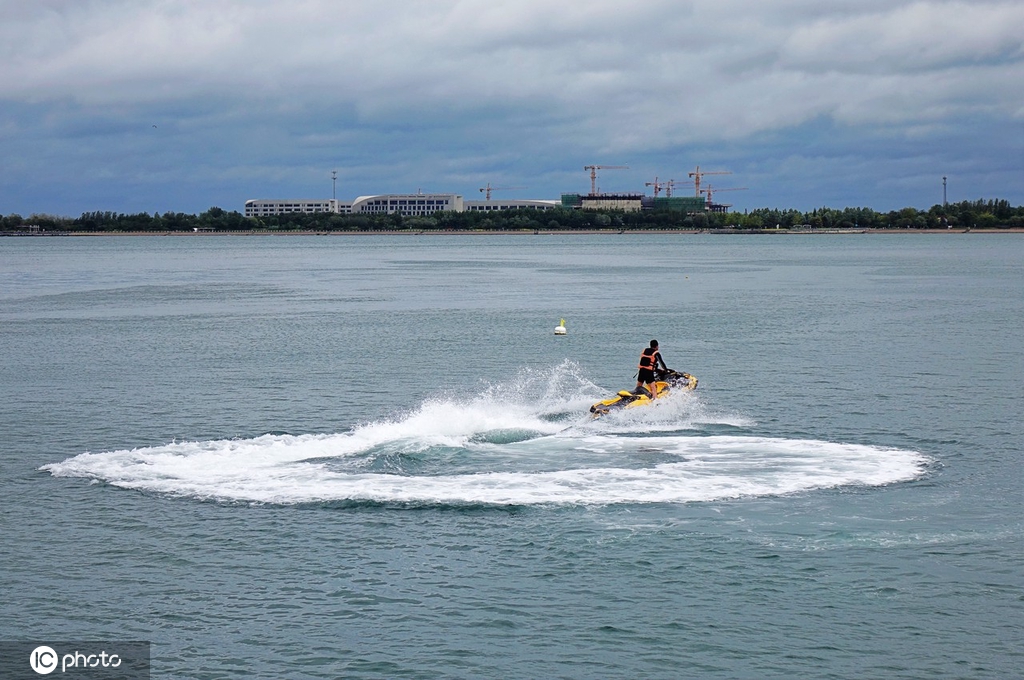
(407, 204)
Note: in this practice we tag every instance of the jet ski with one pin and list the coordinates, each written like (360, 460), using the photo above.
(666, 381)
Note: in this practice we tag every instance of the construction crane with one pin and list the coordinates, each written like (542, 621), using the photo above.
(593, 173)
(488, 189)
(670, 185)
(710, 190)
(697, 174)
(658, 186)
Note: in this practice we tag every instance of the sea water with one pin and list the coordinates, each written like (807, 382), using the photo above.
(371, 457)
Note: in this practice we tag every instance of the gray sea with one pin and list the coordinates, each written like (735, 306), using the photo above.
(371, 457)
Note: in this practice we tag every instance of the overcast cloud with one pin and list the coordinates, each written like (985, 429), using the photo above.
(178, 105)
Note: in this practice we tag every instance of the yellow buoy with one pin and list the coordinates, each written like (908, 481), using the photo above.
(560, 330)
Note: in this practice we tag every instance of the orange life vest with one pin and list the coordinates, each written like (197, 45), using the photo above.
(648, 359)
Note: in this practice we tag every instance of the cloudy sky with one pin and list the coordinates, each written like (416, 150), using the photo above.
(179, 105)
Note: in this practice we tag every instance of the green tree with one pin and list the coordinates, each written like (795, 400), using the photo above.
(752, 221)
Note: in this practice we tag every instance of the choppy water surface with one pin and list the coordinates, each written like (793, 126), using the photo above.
(371, 457)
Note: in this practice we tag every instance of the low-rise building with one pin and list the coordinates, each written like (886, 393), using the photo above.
(505, 204)
(624, 202)
(407, 204)
(260, 207)
(420, 204)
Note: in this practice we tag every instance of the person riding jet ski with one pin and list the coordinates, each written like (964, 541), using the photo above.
(659, 378)
(649, 360)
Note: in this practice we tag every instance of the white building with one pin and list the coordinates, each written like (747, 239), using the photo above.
(389, 204)
(259, 208)
(476, 206)
(407, 204)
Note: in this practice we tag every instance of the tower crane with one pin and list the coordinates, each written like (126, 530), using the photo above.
(488, 189)
(670, 185)
(593, 173)
(658, 186)
(697, 174)
(710, 190)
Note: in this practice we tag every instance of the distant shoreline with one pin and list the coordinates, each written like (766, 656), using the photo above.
(527, 232)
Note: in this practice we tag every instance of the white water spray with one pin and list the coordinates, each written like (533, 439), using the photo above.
(525, 442)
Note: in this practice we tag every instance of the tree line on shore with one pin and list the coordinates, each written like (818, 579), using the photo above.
(979, 214)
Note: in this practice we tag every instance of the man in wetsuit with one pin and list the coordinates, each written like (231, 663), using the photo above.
(649, 360)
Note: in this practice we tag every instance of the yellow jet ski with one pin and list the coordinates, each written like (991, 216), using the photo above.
(667, 380)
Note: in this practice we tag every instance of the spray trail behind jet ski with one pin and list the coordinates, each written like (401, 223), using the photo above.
(526, 441)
